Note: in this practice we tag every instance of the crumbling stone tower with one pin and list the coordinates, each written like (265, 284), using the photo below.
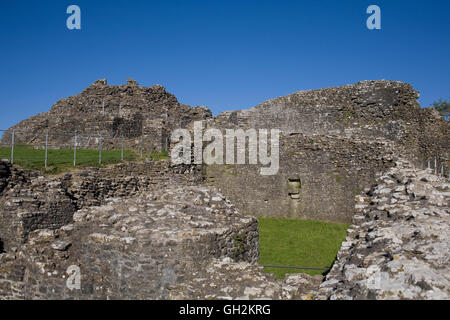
(110, 113)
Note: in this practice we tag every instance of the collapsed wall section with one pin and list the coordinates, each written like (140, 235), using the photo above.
(142, 116)
(398, 244)
(139, 248)
(30, 201)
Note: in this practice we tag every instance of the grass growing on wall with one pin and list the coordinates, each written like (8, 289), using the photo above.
(158, 156)
(300, 243)
(59, 160)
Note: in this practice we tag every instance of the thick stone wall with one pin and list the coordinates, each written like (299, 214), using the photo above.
(139, 248)
(29, 203)
(5, 172)
(318, 178)
(334, 142)
(171, 238)
(371, 109)
(32, 202)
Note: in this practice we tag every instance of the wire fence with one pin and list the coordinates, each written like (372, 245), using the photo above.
(437, 165)
(47, 148)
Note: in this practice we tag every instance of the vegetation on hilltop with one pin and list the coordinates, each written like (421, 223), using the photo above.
(443, 106)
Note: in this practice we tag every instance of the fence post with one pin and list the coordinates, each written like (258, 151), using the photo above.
(435, 166)
(429, 167)
(100, 151)
(442, 169)
(12, 146)
(75, 150)
(46, 147)
(103, 107)
(141, 146)
(121, 154)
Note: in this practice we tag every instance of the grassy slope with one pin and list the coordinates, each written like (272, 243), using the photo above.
(59, 160)
(157, 156)
(301, 243)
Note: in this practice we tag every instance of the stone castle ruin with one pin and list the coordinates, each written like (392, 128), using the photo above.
(111, 113)
(154, 230)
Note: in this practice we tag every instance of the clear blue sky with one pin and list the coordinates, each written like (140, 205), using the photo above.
(222, 54)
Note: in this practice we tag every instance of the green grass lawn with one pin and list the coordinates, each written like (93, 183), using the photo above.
(59, 160)
(158, 156)
(299, 243)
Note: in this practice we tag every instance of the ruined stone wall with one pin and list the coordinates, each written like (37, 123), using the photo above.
(111, 112)
(31, 202)
(335, 141)
(368, 113)
(139, 248)
(173, 240)
(318, 178)
(153, 231)
(371, 109)
(187, 241)
(398, 244)
(5, 172)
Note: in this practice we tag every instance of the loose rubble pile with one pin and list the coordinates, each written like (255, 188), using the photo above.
(398, 246)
